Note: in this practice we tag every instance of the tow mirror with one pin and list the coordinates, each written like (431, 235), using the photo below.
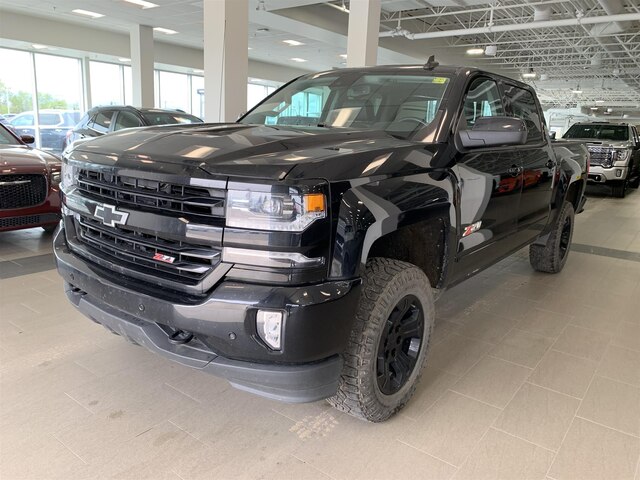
(494, 132)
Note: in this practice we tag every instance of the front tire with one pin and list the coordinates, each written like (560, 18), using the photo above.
(552, 256)
(388, 345)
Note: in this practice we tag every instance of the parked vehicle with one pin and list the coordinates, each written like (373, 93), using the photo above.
(53, 125)
(615, 153)
(102, 120)
(29, 185)
(298, 252)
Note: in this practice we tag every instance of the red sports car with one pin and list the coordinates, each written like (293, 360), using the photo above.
(29, 179)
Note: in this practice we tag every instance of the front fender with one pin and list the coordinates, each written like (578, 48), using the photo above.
(370, 211)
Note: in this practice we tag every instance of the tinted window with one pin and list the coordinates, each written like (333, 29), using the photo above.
(49, 119)
(523, 106)
(6, 138)
(126, 120)
(399, 103)
(169, 118)
(101, 121)
(482, 100)
(599, 132)
(22, 120)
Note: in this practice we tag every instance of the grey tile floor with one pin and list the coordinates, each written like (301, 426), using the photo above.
(531, 376)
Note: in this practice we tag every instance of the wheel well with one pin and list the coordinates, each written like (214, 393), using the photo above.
(573, 195)
(423, 244)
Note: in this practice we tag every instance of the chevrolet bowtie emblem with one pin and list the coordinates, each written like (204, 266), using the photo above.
(110, 216)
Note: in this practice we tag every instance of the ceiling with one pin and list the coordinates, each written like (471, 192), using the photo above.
(602, 60)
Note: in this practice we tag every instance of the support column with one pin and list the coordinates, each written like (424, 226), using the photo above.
(226, 61)
(142, 58)
(364, 27)
(86, 83)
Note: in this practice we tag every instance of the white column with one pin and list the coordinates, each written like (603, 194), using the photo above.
(86, 83)
(364, 26)
(142, 58)
(226, 62)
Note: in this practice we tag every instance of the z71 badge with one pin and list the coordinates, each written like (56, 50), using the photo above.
(164, 258)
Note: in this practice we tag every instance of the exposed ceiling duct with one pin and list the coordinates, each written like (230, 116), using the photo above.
(612, 7)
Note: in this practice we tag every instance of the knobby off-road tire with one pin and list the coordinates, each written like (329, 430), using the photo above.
(550, 258)
(619, 188)
(388, 345)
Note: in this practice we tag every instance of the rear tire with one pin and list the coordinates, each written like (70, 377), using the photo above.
(551, 257)
(619, 189)
(388, 345)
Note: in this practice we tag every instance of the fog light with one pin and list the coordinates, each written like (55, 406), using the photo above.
(618, 173)
(269, 326)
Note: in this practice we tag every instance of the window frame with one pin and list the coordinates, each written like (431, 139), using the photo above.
(543, 131)
(92, 121)
(114, 120)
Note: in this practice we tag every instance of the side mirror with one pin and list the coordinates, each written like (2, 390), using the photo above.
(552, 135)
(28, 139)
(494, 132)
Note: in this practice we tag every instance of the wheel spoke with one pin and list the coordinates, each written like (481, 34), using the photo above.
(412, 326)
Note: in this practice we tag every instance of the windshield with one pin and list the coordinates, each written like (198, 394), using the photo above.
(6, 138)
(599, 132)
(168, 118)
(399, 103)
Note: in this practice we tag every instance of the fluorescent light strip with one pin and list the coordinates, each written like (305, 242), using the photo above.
(87, 13)
(299, 60)
(167, 31)
(142, 3)
(293, 43)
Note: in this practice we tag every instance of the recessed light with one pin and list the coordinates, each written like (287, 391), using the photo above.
(122, 59)
(296, 59)
(166, 31)
(87, 13)
(293, 43)
(39, 46)
(475, 51)
(142, 3)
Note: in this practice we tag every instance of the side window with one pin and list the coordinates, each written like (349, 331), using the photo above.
(482, 100)
(101, 121)
(635, 135)
(49, 119)
(23, 121)
(523, 106)
(126, 120)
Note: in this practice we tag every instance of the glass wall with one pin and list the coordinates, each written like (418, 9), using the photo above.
(40, 96)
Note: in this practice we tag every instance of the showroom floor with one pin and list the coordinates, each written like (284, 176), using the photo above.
(530, 376)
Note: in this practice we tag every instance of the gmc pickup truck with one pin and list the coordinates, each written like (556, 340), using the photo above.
(614, 150)
(298, 252)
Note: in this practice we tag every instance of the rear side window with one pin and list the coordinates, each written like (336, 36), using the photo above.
(523, 106)
(49, 119)
(126, 120)
(482, 100)
(101, 121)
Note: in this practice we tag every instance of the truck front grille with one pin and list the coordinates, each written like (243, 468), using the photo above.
(151, 254)
(21, 191)
(194, 203)
(601, 156)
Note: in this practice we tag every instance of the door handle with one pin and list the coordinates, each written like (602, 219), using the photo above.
(514, 171)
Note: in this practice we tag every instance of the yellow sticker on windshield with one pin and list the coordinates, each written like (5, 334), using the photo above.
(439, 80)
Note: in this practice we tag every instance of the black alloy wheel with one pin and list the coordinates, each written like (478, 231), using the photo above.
(565, 237)
(399, 345)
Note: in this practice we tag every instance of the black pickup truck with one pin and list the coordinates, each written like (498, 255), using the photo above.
(298, 252)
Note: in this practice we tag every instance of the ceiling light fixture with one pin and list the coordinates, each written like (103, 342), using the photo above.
(142, 3)
(594, 108)
(39, 46)
(529, 74)
(87, 13)
(577, 91)
(299, 60)
(491, 50)
(343, 55)
(599, 101)
(475, 51)
(293, 43)
(122, 59)
(166, 31)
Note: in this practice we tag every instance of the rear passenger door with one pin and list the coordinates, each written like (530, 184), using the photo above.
(490, 181)
(538, 162)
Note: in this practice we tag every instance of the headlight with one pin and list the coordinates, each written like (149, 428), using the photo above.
(621, 155)
(55, 178)
(290, 210)
(69, 175)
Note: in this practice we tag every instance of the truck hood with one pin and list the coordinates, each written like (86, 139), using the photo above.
(258, 151)
(20, 158)
(601, 143)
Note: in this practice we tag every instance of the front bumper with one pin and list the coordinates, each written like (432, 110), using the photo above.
(317, 326)
(598, 174)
